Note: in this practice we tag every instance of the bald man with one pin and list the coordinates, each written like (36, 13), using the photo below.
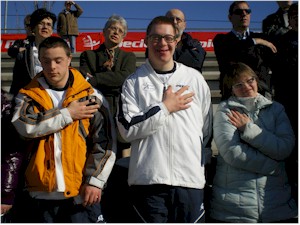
(188, 51)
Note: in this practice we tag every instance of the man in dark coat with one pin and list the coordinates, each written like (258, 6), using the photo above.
(107, 67)
(277, 24)
(241, 45)
(188, 51)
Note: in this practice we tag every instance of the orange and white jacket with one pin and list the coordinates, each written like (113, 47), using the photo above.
(88, 146)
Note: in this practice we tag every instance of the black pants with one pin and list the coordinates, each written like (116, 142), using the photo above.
(30, 210)
(168, 204)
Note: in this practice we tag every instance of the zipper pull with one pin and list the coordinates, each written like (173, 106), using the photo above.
(164, 90)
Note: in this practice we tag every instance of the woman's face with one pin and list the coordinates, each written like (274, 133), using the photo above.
(245, 86)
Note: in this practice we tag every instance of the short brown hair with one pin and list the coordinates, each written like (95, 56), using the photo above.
(232, 73)
(161, 20)
(52, 42)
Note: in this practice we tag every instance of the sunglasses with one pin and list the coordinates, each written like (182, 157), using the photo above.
(241, 11)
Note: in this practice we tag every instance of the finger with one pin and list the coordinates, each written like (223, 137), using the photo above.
(188, 95)
(181, 90)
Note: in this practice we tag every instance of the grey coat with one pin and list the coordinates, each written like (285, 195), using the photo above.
(251, 183)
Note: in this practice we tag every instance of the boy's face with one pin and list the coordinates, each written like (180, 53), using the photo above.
(55, 63)
(160, 49)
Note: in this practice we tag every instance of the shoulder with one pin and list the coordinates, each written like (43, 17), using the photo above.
(276, 106)
(190, 41)
(125, 53)
(270, 17)
(221, 36)
(87, 53)
(189, 71)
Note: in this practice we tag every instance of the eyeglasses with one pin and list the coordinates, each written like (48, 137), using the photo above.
(155, 38)
(241, 11)
(177, 19)
(117, 30)
(241, 84)
(42, 24)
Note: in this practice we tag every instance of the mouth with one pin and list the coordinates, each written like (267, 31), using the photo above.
(114, 37)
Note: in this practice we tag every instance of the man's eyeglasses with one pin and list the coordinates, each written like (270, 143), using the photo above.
(42, 24)
(117, 30)
(155, 38)
(177, 19)
(241, 84)
(241, 11)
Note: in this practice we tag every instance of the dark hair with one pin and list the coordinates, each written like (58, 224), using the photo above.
(40, 14)
(52, 42)
(232, 73)
(293, 10)
(234, 4)
(27, 19)
(162, 20)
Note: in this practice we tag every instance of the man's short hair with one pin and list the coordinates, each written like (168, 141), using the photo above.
(53, 42)
(233, 4)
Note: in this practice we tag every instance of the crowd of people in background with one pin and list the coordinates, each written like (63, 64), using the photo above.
(113, 142)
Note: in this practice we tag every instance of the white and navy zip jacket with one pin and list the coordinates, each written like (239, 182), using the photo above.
(165, 148)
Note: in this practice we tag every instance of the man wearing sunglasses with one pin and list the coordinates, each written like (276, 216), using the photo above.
(242, 45)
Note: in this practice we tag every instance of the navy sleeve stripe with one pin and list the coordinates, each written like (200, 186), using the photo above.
(137, 119)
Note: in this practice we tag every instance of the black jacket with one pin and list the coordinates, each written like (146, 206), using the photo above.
(230, 49)
(190, 52)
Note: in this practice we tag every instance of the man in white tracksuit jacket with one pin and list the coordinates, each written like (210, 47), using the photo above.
(166, 113)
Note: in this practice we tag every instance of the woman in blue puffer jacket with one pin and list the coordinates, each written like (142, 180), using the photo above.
(253, 136)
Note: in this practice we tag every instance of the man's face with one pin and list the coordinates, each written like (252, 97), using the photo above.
(55, 63)
(240, 17)
(161, 43)
(284, 5)
(178, 18)
(68, 6)
(44, 29)
(114, 34)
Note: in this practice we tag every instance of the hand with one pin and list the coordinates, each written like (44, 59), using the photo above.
(21, 49)
(239, 120)
(89, 75)
(90, 195)
(266, 43)
(108, 64)
(177, 101)
(82, 110)
(5, 208)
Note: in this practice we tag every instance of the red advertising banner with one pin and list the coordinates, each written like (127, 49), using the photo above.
(133, 42)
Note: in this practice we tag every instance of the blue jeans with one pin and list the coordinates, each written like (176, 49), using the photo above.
(71, 39)
(167, 204)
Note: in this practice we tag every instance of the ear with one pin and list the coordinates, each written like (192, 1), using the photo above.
(70, 60)
(229, 17)
(146, 40)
